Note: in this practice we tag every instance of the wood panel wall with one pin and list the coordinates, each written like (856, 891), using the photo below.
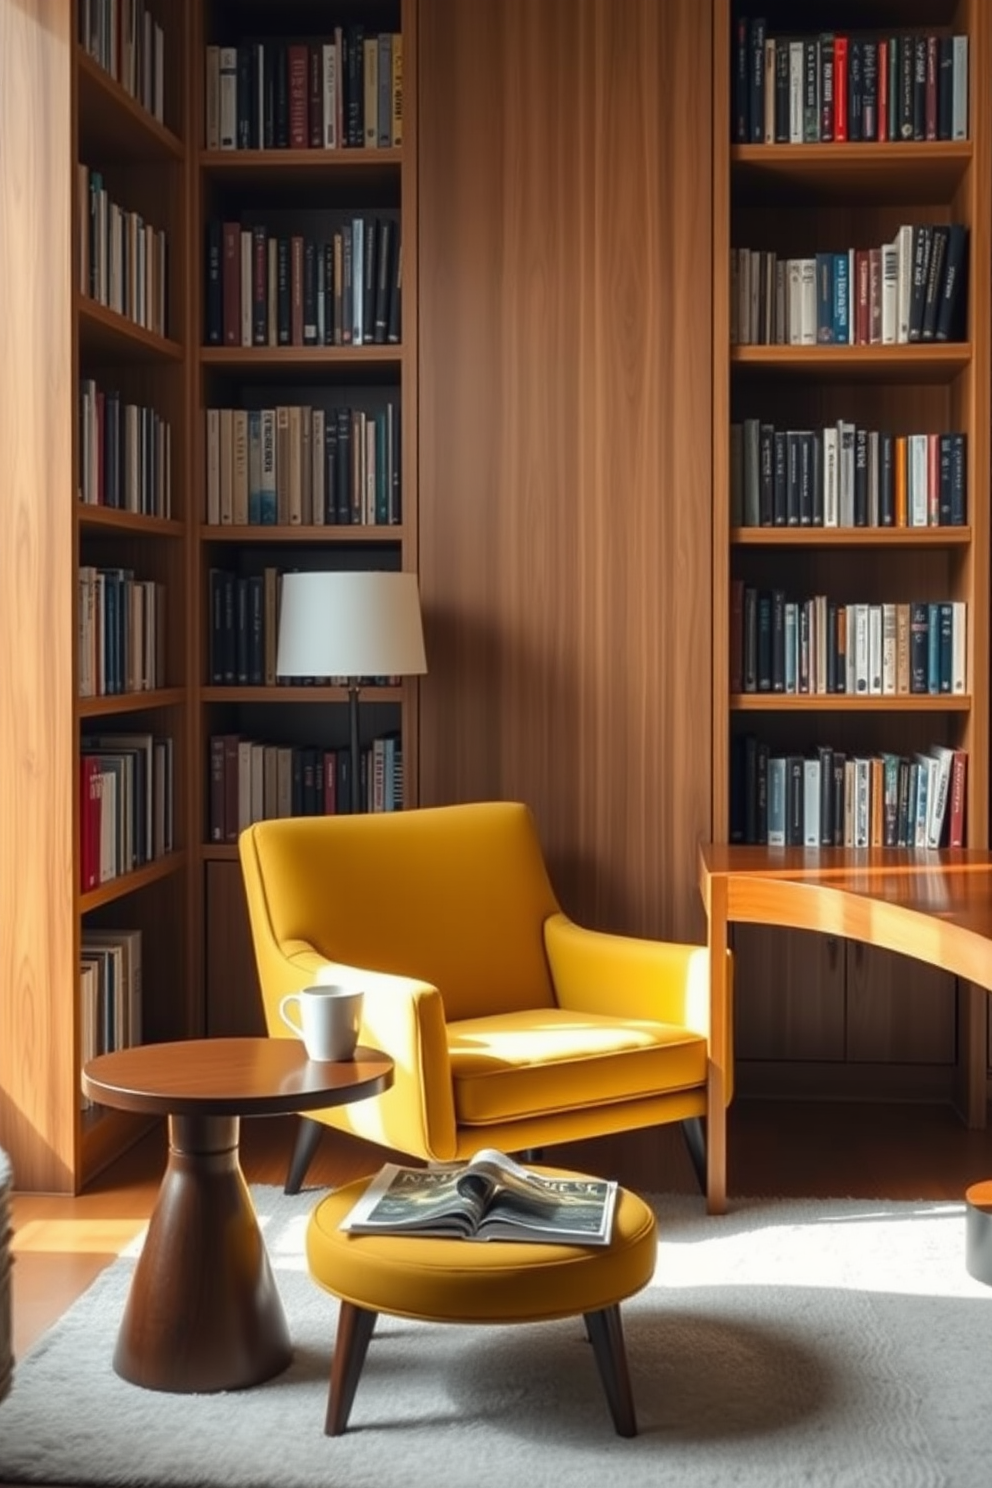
(38, 1084)
(565, 435)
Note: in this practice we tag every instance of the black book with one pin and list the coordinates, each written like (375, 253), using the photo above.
(918, 646)
(922, 243)
(806, 478)
(242, 632)
(256, 630)
(861, 477)
(756, 81)
(855, 88)
(741, 123)
(213, 330)
(384, 280)
(919, 87)
(935, 280)
(369, 248)
(826, 757)
(342, 473)
(959, 502)
(310, 251)
(950, 311)
(394, 322)
(826, 87)
(750, 639)
(766, 476)
(816, 462)
(354, 86)
(811, 90)
(906, 53)
(945, 87)
(284, 294)
(245, 127)
(778, 640)
(886, 481)
(779, 479)
(837, 799)
(792, 446)
(832, 646)
(330, 468)
(794, 814)
(280, 95)
(267, 125)
(869, 96)
(750, 789)
(782, 92)
(765, 641)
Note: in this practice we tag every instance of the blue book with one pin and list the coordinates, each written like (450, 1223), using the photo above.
(933, 648)
(842, 300)
(254, 467)
(825, 313)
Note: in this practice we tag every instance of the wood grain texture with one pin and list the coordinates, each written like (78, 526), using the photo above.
(38, 1083)
(565, 363)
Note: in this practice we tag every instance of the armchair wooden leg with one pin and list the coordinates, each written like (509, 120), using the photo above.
(307, 1142)
(695, 1141)
(606, 1334)
(355, 1328)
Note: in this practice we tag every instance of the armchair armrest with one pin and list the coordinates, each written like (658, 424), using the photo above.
(626, 977)
(405, 1019)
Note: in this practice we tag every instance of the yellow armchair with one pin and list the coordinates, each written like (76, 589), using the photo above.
(509, 1026)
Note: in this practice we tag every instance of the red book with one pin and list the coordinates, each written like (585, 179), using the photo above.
(959, 771)
(840, 89)
(90, 793)
(862, 301)
(315, 104)
(930, 93)
(882, 129)
(231, 283)
(299, 93)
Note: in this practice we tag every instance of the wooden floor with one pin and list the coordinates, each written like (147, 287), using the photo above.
(775, 1148)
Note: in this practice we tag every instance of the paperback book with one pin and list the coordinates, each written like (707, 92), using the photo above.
(491, 1197)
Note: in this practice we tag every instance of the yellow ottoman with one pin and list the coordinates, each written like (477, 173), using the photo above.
(462, 1281)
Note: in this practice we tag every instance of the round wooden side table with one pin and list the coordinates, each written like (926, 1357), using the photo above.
(203, 1311)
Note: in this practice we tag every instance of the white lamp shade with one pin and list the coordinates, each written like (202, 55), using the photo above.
(350, 625)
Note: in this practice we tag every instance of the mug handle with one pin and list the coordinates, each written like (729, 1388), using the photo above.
(291, 1022)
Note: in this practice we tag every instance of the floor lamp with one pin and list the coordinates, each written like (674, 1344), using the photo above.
(351, 625)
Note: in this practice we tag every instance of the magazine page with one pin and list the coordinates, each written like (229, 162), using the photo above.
(425, 1200)
(572, 1210)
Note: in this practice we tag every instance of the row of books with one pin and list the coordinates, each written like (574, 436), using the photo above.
(838, 87)
(125, 453)
(127, 41)
(818, 645)
(828, 799)
(337, 91)
(121, 632)
(126, 804)
(269, 289)
(908, 290)
(297, 464)
(845, 476)
(252, 781)
(123, 260)
(110, 993)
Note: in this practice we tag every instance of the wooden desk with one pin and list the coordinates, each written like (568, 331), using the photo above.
(934, 906)
(203, 1312)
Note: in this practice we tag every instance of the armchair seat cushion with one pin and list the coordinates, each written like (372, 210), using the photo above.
(527, 1064)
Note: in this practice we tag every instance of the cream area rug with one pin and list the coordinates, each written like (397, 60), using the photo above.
(786, 1343)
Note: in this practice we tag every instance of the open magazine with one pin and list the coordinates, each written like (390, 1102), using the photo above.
(491, 1197)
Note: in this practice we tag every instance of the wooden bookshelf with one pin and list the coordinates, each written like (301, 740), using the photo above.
(307, 191)
(815, 1018)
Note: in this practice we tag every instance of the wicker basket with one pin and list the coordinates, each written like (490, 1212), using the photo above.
(6, 1356)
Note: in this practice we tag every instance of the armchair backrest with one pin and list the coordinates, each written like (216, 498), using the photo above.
(452, 895)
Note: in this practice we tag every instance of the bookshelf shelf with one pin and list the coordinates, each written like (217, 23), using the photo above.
(850, 537)
(931, 364)
(115, 126)
(302, 359)
(821, 702)
(111, 519)
(106, 333)
(127, 884)
(805, 1013)
(898, 173)
(330, 534)
(130, 702)
(293, 171)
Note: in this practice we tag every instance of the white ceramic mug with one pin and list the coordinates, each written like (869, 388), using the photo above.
(328, 1023)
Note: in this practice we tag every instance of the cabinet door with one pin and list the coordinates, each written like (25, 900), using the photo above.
(899, 1011)
(789, 994)
(233, 995)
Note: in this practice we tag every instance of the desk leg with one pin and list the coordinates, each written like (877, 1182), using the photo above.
(720, 1042)
(203, 1313)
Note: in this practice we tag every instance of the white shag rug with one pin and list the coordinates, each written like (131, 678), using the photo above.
(788, 1343)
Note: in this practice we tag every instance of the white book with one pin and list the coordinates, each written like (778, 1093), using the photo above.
(861, 660)
(807, 279)
(943, 758)
(959, 72)
(794, 306)
(795, 92)
(862, 802)
(212, 97)
(831, 483)
(874, 515)
(811, 803)
(959, 646)
(850, 790)
(875, 650)
(228, 98)
(917, 480)
(888, 649)
(890, 287)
